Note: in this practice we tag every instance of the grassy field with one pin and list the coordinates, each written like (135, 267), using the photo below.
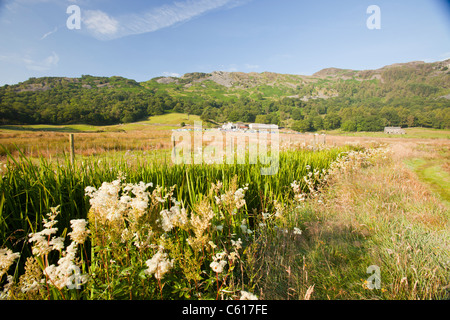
(169, 120)
(435, 172)
(382, 215)
(52, 141)
(212, 231)
(411, 133)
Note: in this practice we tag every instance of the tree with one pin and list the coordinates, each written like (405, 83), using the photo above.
(209, 113)
(127, 117)
(316, 123)
(331, 121)
(349, 126)
(260, 118)
(297, 114)
(302, 125)
(370, 123)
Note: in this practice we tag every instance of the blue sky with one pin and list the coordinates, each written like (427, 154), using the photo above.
(145, 39)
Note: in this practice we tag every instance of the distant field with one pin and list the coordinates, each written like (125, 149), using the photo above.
(161, 122)
(411, 133)
(173, 119)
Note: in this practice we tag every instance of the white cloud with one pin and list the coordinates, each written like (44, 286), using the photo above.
(99, 23)
(30, 63)
(49, 33)
(252, 66)
(171, 74)
(42, 65)
(444, 56)
(105, 27)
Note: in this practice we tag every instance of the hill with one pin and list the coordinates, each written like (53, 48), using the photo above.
(403, 94)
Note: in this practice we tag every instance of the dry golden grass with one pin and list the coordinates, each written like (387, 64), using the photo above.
(51, 144)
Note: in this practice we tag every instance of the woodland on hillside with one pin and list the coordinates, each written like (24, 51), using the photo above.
(357, 101)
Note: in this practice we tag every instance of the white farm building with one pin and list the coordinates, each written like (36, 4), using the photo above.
(261, 126)
(394, 130)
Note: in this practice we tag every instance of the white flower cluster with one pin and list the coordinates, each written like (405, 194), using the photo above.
(116, 201)
(175, 217)
(345, 162)
(239, 197)
(107, 202)
(7, 258)
(231, 198)
(79, 232)
(313, 180)
(42, 239)
(138, 203)
(247, 296)
(353, 160)
(299, 195)
(44, 242)
(244, 227)
(5, 294)
(60, 275)
(219, 262)
(159, 264)
(220, 259)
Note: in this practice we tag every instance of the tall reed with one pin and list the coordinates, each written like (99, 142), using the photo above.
(28, 189)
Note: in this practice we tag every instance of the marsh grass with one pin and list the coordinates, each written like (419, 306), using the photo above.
(379, 215)
(312, 239)
(30, 187)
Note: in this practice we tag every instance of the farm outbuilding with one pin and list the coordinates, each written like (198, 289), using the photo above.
(261, 126)
(394, 130)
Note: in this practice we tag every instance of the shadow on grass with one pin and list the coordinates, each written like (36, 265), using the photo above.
(332, 256)
(59, 129)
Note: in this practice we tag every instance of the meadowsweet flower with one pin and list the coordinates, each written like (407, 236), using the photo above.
(279, 207)
(31, 281)
(220, 256)
(233, 199)
(217, 266)
(5, 294)
(175, 217)
(247, 296)
(297, 231)
(237, 244)
(59, 275)
(157, 194)
(43, 243)
(216, 187)
(212, 244)
(239, 198)
(79, 232)
(295, 186)
(7, 258)
(126, 235)
(105, 202)
(140, 202)
(233, 256)
(159, 264)
(57, 243)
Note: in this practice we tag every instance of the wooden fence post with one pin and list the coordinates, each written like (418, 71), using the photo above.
(72, 149)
